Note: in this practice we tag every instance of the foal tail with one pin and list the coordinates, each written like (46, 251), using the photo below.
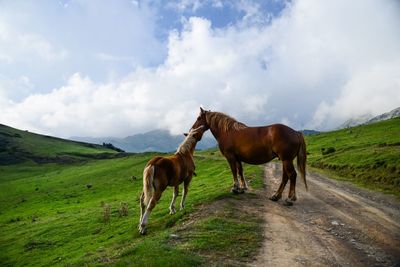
(302, 158)
(148, 175)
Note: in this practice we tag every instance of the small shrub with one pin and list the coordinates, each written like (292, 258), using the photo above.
(123, 209)
(379, 163)
(326, 151)
(106, 213)
(382, 144)
(13, 220)
(34, 218)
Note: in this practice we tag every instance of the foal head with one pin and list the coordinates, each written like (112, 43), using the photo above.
(194, 136)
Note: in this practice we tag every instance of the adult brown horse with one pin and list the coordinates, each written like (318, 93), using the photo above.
(161, 172)
(257, 145)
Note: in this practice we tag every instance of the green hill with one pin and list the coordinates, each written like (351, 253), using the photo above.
(18, 146)
(368, 155)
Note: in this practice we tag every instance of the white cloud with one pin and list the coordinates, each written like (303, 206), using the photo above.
(50, 41)
(17, 46)
(319, 63)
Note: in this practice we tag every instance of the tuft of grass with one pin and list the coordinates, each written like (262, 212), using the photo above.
(123, 209)
(106, 213)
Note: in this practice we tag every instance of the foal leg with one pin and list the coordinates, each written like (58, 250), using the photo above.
(278, 193)
(172, 209)
(185, 191)
(243, 183)
(142, 207)
(152, 203)
(236, 188)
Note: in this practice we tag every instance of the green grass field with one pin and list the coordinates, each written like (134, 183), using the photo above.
(368, 155)
(50, 217)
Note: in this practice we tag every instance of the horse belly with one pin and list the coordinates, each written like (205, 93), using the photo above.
(256, 156)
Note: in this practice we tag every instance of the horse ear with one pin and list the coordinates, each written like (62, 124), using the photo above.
(185, 134)
(201, 110)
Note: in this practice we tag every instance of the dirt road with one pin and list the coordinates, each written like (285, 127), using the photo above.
(333, 224)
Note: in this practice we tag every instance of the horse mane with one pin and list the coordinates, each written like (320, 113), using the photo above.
(187, 145)
(223, 122)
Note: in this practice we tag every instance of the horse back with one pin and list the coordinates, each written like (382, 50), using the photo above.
(171, 170)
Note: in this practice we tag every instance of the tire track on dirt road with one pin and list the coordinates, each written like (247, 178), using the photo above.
(333, 224)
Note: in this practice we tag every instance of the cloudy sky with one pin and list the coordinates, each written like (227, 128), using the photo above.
(116, 68)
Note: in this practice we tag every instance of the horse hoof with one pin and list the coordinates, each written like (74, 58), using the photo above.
(234, 191)
(237, 191)
(288, 203)
(143, 231)
(274, 198)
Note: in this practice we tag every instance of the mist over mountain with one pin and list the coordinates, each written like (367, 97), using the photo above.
(156, 140)
(368, 118)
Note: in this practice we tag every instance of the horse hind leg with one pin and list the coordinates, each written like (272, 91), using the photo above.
(278, 193)
(152, 203)
(291, 172)
(292, 176)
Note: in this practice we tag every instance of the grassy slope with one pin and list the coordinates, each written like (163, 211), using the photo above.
(48, 216)
(18, 146)
(368, 155)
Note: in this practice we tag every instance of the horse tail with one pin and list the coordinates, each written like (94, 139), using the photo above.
(302, 158)
(148, 176)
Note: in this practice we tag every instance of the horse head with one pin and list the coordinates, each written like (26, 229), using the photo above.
(201, 121)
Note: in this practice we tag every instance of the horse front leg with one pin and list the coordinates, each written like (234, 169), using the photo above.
(234, 168)
(243, 183)
(185, 191)
(172, 209)
(142, 207)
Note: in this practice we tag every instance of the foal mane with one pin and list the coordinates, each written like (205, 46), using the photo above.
(187, 145)
(223, 122)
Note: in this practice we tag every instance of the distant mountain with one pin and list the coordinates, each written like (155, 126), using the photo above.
(369, 119)
(156, 140)
(385, 116)
(309, 132)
